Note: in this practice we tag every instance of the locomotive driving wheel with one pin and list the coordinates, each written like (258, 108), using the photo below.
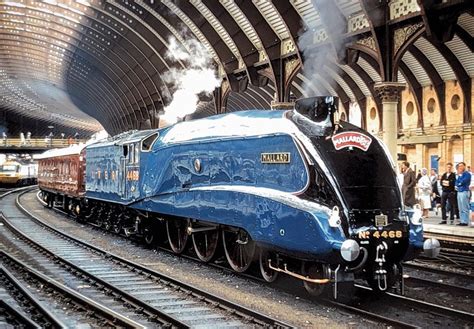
(266, 257)
(177, 230)
(205, 243)
(239, 249)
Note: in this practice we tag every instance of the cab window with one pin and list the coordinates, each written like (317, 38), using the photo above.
(9, 168)
(147, 143)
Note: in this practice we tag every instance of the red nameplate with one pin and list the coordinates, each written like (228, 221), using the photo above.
(351, 139)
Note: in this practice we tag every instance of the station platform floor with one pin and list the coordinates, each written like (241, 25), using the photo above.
(447, 232)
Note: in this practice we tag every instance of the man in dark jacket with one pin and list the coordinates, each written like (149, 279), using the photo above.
(409, 183)
(448, 194)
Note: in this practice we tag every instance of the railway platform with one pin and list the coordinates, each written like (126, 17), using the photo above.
(448, 233)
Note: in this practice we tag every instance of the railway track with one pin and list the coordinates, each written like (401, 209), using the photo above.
(15, 300)
(398, 305)
(160, 298)
(56, 305)
(11, 317)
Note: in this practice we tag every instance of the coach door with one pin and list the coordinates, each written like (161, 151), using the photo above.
(122, 172)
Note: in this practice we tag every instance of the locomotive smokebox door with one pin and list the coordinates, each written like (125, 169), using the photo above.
(319, 109)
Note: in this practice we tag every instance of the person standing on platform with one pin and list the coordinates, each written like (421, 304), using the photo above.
(471, 187)
(409, 183)
(424, 192)
(434, 188)
(433, 176)
(437, 191)
(462, 187)
(448, 194)
(418, 176)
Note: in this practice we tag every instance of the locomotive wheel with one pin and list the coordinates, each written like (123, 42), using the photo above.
(177, 230)
(239, 249)
(108, 225)
(268, 274)
(149, 234)
(313, 271)
(117, 227)
(205, 244)
(118, 223)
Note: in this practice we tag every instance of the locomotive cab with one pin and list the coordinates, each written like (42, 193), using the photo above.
(9, 173)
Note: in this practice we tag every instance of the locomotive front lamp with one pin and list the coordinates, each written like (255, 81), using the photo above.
(350, 250)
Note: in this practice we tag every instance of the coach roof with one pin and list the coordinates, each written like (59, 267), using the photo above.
(75, 149)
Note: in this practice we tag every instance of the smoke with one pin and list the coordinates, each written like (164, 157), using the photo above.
(198, 77)
(317, 51)
(100, 135)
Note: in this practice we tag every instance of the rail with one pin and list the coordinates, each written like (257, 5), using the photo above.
(106, 266)
(370, 310)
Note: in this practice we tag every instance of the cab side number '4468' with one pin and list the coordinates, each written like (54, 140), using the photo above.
(380, 234)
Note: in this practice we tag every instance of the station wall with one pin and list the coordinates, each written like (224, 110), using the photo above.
(452, 142)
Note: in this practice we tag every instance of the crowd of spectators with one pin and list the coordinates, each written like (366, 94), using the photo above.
(452, 192)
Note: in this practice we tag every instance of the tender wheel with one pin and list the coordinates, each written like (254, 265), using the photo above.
(108, 225)
(239, 249)
(268, 274)
(205, 244)
(177, 230)
(117, 227)
(149, 234)
(313, 271)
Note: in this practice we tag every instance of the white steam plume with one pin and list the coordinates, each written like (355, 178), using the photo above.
(316, 57)
(101, 134)
(198, 77)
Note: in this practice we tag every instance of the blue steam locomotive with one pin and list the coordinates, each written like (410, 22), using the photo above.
(296, 191)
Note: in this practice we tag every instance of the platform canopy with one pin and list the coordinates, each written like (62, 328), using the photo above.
(77, 65)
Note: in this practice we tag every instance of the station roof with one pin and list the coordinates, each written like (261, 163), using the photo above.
(81, 64)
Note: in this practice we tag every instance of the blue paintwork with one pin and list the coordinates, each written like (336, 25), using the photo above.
(169, 183)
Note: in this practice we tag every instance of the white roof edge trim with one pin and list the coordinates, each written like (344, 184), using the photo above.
(75, 149)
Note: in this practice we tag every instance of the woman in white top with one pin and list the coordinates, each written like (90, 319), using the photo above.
(424, 191)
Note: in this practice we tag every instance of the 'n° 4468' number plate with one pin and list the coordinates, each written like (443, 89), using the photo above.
(380, 234)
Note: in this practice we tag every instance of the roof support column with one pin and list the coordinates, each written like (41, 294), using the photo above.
(389, 93)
